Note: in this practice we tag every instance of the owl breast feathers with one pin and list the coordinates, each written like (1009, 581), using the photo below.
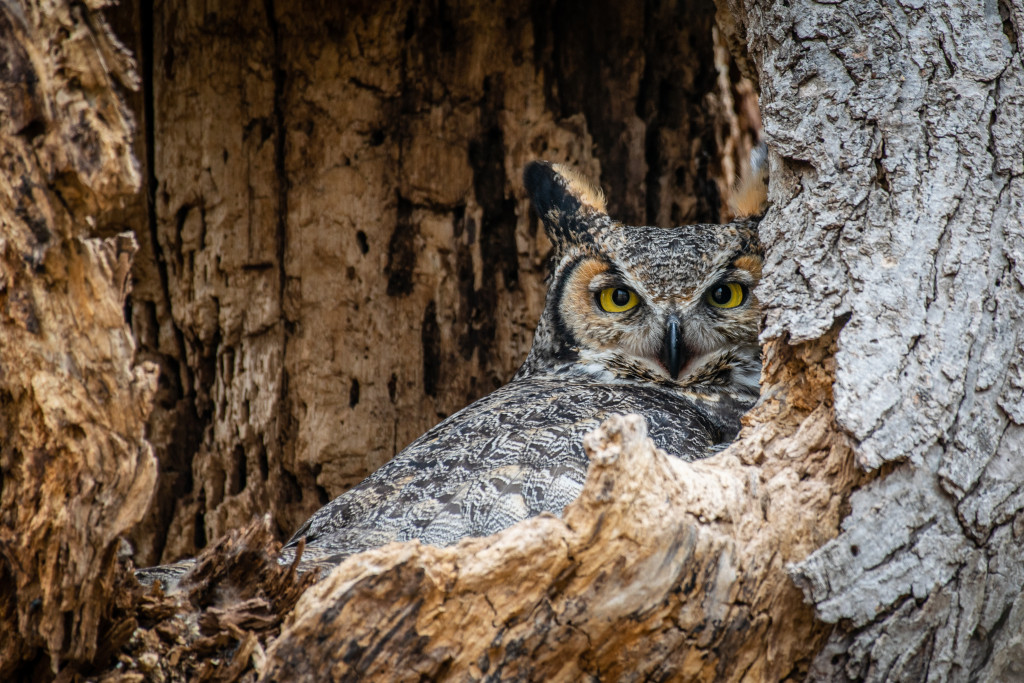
(660, 322)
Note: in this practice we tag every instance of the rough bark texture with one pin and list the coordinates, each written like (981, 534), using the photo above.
(339, 255)
(75, 470)
(334, 255)
(899, 208)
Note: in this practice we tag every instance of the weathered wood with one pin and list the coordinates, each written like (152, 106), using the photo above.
(659, 569)
(76, 470)
(897, 219)
(893, 284)
(217, 629)
(340, 253)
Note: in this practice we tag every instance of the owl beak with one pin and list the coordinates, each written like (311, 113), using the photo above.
(673, 351)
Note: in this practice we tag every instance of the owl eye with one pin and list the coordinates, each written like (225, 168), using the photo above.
(726, 295)
(617, 299)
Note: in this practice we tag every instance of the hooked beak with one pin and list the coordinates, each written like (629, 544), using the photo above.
(674, 353)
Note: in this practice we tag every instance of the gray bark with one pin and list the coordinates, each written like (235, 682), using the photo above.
(899, 199)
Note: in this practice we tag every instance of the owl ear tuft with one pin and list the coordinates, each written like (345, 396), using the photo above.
(565, 200)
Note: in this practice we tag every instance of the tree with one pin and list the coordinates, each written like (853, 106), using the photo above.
(291, 155)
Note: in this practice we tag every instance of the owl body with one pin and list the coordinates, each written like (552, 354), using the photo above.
(509, 456)
(659, 322)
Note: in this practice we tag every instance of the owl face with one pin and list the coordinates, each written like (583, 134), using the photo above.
(675, 307)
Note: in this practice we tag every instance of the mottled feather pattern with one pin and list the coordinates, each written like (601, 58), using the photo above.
(518, 452)
(511, 455)
(686, 362)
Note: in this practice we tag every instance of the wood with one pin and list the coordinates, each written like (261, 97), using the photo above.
(866, 526)
(660, 569)
(217, 629)
(77, 471)
(895, 124)
(917, 276)
(340, 253)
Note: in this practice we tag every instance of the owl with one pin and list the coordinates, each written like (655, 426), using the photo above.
(660, 322)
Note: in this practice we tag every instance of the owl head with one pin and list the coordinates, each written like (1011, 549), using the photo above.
(671, 306)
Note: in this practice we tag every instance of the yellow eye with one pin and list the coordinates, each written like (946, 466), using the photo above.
(617, 299)
(726, 295)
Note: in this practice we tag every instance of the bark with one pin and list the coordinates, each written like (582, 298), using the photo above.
(903, 126)
(334, 255)
(76, 470)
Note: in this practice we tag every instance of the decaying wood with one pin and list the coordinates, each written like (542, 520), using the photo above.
(217, 627)
(341, 254)
(76, 470)
(868, 523)
(897, 219)
(660, 569)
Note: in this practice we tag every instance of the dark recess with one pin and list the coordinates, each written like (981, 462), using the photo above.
(401, 251)
(353, 393)
(199, 531)
(288, 487)
(708, 199)
(430, 334)
(497, 233)
(261, 461)
(182, 414)
(237, 475)
(393, 387)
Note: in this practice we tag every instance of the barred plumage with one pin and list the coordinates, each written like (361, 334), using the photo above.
(518, 452)
(660, 322)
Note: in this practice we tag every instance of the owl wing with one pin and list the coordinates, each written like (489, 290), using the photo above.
(513, 454)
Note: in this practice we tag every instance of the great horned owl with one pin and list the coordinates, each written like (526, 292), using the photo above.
(660, 322)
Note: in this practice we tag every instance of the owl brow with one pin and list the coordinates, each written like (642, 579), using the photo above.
(730, 273)
(611, 277)
(720, 274)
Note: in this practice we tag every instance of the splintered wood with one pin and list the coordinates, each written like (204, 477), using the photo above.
(77, 472)
(217, 626)
(659, 569)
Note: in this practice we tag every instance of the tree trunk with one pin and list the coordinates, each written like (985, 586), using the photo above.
(900, 210)
(77, 472)
(334, 255)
